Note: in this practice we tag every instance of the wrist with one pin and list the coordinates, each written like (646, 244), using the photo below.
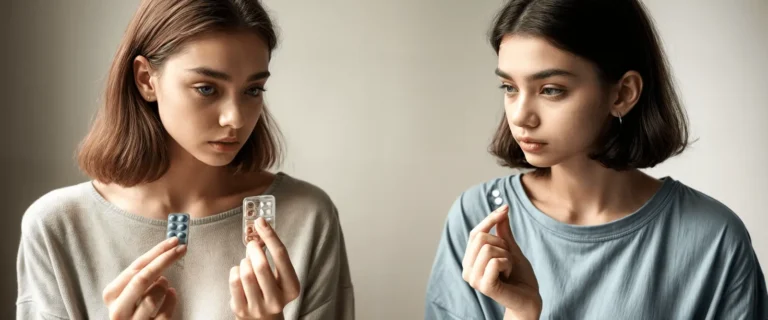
(518, 315)
(274, 317)
(530, 311)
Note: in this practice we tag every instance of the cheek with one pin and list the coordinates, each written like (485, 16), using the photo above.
(580, 126)
(257, 111)
(180, 112)
(254, 114)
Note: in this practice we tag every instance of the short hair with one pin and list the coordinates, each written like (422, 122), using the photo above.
(616, 36)
(127, 143)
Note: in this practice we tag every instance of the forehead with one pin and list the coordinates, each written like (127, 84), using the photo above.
(521, 55)
(236, 53)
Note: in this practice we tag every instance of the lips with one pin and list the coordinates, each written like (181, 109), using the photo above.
(226, 140)
(529, 140)
(530, 145)
(227, 144)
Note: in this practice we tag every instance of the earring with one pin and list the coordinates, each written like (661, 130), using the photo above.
(620, 122)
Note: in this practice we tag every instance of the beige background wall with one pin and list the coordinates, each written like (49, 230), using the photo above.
(387, 105)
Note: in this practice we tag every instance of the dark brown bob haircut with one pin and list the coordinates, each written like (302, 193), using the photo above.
(616, 36)
(127, 144)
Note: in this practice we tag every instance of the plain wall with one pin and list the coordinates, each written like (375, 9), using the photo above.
(387, 105)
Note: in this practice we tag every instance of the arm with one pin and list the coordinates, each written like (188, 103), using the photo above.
(329, 293)
(39, 295)
(448, 295)
(747, 297)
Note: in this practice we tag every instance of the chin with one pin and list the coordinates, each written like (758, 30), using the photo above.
(540, 161)
(215, 160)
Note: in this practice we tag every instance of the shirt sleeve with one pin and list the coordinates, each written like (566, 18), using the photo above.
(329, 294)
(747, 297)
(39, 295)
(448, 295)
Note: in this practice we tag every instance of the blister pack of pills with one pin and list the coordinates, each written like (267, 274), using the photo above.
(494, 198)
(253, 208)
(178, 226)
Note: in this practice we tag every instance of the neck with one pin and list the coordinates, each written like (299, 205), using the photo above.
(189, 181)
(188, 186)
(585, 192)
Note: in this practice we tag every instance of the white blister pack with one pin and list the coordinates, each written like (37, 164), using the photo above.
(255, 207)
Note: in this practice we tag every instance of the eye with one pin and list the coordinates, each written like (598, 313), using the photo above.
(549, 91)
(205, 91)
(255, 91)
(508, 89)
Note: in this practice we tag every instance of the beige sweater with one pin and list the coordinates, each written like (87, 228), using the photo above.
(74, 242)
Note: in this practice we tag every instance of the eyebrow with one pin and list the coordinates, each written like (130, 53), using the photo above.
(208, 72)
(538, 75)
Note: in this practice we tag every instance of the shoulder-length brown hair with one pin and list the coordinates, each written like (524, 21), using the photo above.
(127, 143)
(616, 36)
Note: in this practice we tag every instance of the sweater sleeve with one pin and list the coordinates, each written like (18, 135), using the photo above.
(39, 281)
(329, 294)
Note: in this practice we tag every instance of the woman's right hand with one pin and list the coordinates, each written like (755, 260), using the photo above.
(140, 291)
(495, 266)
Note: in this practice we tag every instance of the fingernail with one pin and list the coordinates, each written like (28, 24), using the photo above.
(181, 248)
(171, 240)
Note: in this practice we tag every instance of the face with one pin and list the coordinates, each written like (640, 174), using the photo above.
(555, 103)
(210, 94)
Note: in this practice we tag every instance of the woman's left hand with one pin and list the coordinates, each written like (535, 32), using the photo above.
(258, 292)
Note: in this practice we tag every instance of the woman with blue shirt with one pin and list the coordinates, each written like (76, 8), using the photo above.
(584, 234)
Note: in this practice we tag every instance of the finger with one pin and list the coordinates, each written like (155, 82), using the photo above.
(161, 281)
(151, 303)
(504, 268)
(289, 281)
(273, 296)
(489, 221)
(485, 255)
(236, 291)
(504, 231)
(252, 235)
(166, 311)
(473, 248)
(114, 288)
(490, 282)
(145, 277)
(253, 296)
(516, 296)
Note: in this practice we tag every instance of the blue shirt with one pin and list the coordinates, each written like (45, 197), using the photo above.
(683, 255)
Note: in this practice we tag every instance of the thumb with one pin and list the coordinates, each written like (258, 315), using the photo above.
(504, 231)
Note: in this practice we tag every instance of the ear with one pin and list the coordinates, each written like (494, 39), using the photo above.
(143, 74)
(627, 93)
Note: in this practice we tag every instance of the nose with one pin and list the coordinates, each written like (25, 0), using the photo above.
(231, 115)
(522, 113)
